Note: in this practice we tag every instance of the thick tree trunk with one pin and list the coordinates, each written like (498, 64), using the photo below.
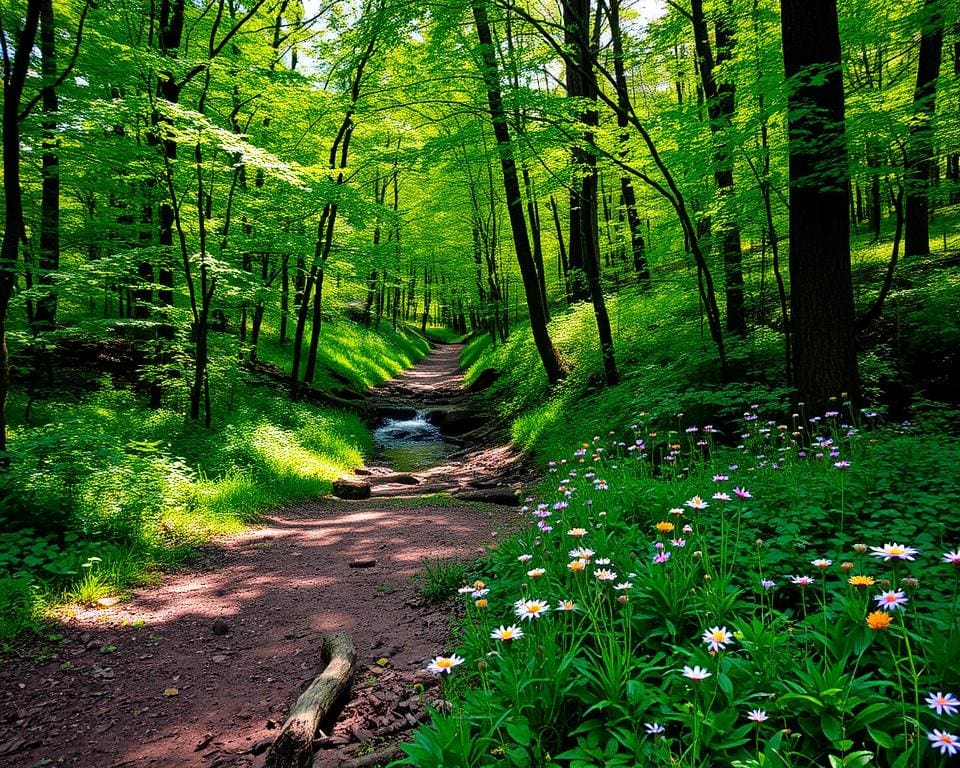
(821, 292)
(511, 184)
(919, 159)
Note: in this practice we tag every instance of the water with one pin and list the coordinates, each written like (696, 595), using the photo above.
(411, 444)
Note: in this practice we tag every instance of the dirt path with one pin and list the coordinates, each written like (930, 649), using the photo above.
(149, 682)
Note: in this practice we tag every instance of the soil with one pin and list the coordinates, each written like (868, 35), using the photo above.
(202, 668)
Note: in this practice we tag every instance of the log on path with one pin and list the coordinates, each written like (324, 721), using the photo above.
(293, 747)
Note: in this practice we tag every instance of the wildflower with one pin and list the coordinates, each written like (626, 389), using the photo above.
(757, 715)
(894, 552)
(717, 638)
(742, 493)
(566, 605)
(577, 533)
(623, 585)
(943, 702)
(602, 561)
(664, 527)
(688, 529)
(802, 581)
(654, 729)
(481, 603)
(767, 584)
(661, 558)
(605, 574)
(678, 543)
(878, 620)
(953, 558)
(443, 664)
(841, 464)
(531, 609)
(861, 581)
(467, 590)
(908, 582)
(623, 599)
(846, 566)
(945, 742)
(891, 599)
(696, 673)
(577, 565)
(536, 573)
(581, 553)
(859, 548)
(506, 634)
(821, 563)
(676, 512)
(696, 503)
(720, 478)
(478, 584)
(525, 558)
(479, 593)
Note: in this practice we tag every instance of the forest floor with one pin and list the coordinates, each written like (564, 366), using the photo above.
(151, 682)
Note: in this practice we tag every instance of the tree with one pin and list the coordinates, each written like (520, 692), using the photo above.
(821, 290)
(511, 185)
(919, 160)
(14, 233)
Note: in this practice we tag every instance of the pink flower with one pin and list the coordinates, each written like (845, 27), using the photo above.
(742, 493)
(891, 600)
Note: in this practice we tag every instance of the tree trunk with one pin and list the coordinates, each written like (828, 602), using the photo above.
(511, 184)
(46, 307)
(14, 76)
(824, 345)
(720, 109)
(919, 159)
(627, 192)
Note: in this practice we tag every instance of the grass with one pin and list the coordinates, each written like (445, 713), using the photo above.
(97, 475)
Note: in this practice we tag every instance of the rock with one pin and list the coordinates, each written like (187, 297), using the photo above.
(457, 421)
(398, 478)
(486, 377)
(345, 488)
(396, 412)
(506, 497)
(220, 627)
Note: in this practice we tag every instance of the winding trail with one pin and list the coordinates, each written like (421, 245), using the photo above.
(149, 683)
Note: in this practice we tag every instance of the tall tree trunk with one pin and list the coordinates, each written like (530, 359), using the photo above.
(46, 307)
(511, 184)
(14, 232)
(627, 192)
(824, 345)
(919, 158)
(720, 109)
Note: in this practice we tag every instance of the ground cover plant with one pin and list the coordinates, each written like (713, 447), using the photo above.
(790, 600)
(101, 492)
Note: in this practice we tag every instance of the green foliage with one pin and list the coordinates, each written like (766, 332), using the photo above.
(645, 549)
(439, 579)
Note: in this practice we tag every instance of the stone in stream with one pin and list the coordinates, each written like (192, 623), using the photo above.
(346, 488)
(457, 421)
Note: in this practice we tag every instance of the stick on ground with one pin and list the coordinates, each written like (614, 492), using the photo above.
(293, 747)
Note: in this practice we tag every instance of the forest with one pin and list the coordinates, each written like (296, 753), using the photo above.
(689, 254)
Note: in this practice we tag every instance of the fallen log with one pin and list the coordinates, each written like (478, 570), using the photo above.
(293, 747)
(379, 757)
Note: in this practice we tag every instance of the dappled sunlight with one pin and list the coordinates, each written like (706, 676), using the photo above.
(296, 568)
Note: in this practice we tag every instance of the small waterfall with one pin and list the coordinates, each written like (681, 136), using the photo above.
(410, 444)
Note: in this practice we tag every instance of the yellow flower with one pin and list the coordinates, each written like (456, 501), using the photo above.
(577, 565)
(481, 603)
(664, 527)
(879, 620)
(861, 581)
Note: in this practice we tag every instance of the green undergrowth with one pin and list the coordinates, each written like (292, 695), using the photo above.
(668, 363)
(675, 602)
(101, 491)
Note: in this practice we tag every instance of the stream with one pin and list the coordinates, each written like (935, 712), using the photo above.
(409, 442)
